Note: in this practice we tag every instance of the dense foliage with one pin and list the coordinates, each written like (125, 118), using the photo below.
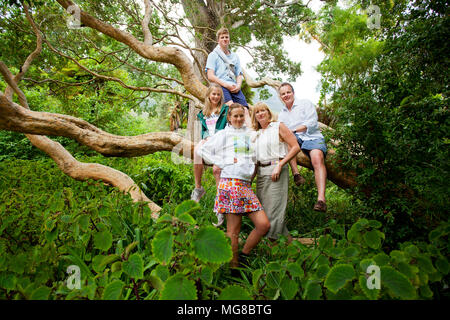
(391, 112)
(384, 90)
(123, 254)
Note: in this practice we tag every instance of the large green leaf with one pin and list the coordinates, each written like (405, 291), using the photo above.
(211, 245)
(177, 287)
(338, 276)
(103, 240)
(162, 246)
(187, 206)
(234, 293)
(371, 294)
(134, 266)
(372, 239)
(289, 288)
(397, 283)
(313, 291)
(113, 290)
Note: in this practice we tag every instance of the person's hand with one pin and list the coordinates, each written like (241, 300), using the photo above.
(235, 88)
(276, 173)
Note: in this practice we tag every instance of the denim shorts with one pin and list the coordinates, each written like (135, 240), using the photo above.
(308, 145)
(235, 97)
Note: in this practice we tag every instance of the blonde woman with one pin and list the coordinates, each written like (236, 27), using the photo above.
(275, 145)
(213, 118)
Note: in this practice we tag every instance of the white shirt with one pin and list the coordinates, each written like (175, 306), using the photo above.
(268, 146)
(211, 122)
(226, 145)
(303, 112)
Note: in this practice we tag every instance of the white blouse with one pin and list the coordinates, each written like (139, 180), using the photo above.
(267, 144)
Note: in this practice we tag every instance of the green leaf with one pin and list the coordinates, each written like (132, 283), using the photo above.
(134, 266)
(371, 294)
(156, 282)
(442, 265)
(103, 240)
(351, 252)
(289, 288)
(186, 217)
(397, 283)
(206, 274)
(177, 287)
(426, 292)
(186, 207)
(338, 277)
(162, 245)
(113, 290)
(425, 264)
(322, 271)
(164, 218)
(41, 293)
(234, 293)
(399, 256)
(161, 272)
(381, 259)
(273, 279)
(7, 281)
(211, 245)
(256, 275)
(412, 250)
(372, 239)
(375, 224)
(295, 270)
(313, 291)
(325, 242)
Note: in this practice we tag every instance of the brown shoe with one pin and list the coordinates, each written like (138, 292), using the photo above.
(298, 179)
(320, 206)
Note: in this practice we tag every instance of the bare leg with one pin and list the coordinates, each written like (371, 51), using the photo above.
(198, 166)
(216, 172)
(262, 226)
(293, 165)
(320, 172)
(233, 228)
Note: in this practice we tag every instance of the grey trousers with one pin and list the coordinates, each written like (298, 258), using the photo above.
(273, 197)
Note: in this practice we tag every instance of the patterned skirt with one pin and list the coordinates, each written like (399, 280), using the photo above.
(236, 196)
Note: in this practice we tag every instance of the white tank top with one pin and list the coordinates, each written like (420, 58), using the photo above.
(268, 146)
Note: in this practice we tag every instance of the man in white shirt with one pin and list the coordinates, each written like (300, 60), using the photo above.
(300, 116)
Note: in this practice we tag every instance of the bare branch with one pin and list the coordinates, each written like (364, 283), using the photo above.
(170, 55)
(148, 39)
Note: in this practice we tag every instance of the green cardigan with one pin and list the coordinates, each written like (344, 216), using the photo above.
(221, 122)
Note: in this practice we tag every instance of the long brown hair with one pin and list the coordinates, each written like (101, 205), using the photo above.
(257, 107)
(207, 109)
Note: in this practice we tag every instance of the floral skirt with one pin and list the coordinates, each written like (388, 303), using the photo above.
(236, 196)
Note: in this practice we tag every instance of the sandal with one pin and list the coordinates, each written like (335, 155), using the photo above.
(320, 206)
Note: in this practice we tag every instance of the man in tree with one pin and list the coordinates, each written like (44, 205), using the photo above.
(300, 116)
(224, 68)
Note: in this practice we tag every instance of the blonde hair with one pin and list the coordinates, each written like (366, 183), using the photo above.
(258, 107)
(208, 107)
(221, 31)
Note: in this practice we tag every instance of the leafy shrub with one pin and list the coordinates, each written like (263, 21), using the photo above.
(122, 253)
